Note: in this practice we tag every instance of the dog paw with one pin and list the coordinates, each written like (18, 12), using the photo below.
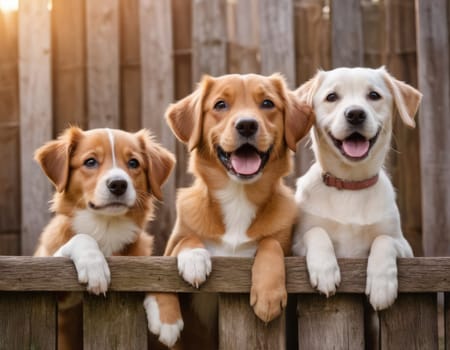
(194, 265)
(268, 303)
(93, 269)
(381, 286)
(324, 273)
(168, 333)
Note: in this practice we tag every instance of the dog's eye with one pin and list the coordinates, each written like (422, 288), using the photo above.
(332, 97)
(267, 104)
(133, 163)
(220, 105)
(91, 163)
(374, 96)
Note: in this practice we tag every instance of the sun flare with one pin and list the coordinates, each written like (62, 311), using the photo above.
(9, 5)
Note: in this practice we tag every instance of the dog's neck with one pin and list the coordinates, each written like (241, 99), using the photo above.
(333, 181)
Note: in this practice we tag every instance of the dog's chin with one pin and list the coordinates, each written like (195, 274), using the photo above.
(245, 164)
(109, 209)
(355, 147)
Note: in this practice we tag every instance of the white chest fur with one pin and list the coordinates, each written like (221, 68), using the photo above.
(238, 214)
(111, 233)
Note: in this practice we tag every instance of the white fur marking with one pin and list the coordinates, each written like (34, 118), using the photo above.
(111, 141)
(194, 265)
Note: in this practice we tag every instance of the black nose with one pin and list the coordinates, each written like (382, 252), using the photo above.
(117, 187)
(355, 116)
(247, 127)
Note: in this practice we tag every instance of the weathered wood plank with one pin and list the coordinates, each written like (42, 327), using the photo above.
(68, 64)
(160, 274)
(346, 33)
(35, 116)
(276, 29)
(209, 38)
(236, 314)
(116, 321)
(30, 321)
(434, 65)
(330, 323)
(447, 320)
(157, 93)
(411, 323)
(103, 84)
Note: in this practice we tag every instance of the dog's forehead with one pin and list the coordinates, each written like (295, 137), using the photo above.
(105, 139)
(236, 84)
(353, 79)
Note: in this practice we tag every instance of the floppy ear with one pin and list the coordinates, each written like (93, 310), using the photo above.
(161, 162)
(185, 116)
(407, 99)
(54, 157)
(307, 90)
(298, 116)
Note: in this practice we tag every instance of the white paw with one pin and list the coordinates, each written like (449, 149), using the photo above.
(381, 286)
(168, 333)
(194, 265)
(324, 274)
(93, 269)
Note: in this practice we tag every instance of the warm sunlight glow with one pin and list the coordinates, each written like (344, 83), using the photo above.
(9, 5)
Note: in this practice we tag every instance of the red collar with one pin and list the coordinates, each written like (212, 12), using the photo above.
(340, 184)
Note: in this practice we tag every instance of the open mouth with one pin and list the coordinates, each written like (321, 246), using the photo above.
(245, 162)
(356, 146)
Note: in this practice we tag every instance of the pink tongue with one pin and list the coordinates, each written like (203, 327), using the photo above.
(355, 148)
(246, 165)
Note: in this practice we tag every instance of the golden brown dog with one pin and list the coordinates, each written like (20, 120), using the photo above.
(105, 183)
(240, 130)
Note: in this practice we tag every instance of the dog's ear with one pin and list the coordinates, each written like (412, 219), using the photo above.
(160, 162)
(54, 157)
(307, 90)
(298, 116)
(406, 98)
(185, 117)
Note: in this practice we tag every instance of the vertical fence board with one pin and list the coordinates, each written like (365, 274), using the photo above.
(330, 323)
(68, 64)
(209, 38)
(116, 321)
(411, 323)
(447, 321)
(30, 321)
(35, 115)
(236, 315)
(102, 26)
(434, 73)
(130, 69)
(346, 33)
(276, 27)
(157, 93)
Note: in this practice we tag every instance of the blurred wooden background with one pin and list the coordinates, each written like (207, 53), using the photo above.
(119, 63)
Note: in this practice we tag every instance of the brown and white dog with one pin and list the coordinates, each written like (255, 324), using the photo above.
(346, 200)
(241, 131)
(106, 181)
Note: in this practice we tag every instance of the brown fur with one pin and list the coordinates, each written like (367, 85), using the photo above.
(62, 161)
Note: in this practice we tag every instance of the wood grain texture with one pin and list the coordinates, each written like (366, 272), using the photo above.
(411, 323)
(103, 84)
(434, 65)
(209, 38)
(117, 321)
(276, 40)
(157, 93)
(229, 275)
(346, 33)
(330, 323)
(30, 321)
(35, 116)
(447, 320)
(236, 315)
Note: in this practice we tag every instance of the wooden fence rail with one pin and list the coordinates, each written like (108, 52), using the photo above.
(28, 307)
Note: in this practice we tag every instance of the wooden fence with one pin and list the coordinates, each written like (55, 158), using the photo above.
(28, 317)
(119, 63)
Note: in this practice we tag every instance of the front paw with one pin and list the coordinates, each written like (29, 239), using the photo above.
(168, 333)
(324, 274)
(93, 269)
(268, 303)
(381, 286)
(194, 265)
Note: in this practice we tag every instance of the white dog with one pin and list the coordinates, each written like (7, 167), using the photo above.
(346, 200)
